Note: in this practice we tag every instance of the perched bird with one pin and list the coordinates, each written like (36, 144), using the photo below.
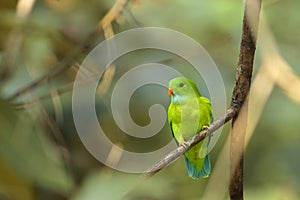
(188, 114)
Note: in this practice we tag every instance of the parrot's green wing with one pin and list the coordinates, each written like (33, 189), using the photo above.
(187, 114)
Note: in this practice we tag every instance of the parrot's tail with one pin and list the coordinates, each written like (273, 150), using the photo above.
(192, 171)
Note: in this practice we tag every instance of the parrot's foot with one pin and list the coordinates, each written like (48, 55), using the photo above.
(204, 127)
(184, 144)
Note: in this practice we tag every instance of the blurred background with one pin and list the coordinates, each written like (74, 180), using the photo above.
(43, 43)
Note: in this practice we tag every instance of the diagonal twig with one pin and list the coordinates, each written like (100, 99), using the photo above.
(230, 113)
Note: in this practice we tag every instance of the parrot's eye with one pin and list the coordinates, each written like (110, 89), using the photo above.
(181, 84)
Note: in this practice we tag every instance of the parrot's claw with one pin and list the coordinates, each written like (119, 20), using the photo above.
(184, 144)
(204, 127)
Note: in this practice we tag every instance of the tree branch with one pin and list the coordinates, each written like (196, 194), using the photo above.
(230, 113)
(240, 93)
(59, 68)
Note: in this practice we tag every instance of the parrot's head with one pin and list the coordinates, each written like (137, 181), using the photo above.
(181, 88)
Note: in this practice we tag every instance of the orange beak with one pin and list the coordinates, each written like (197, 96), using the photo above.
(170, 91)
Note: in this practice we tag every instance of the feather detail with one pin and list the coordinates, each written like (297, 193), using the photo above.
(192, 171)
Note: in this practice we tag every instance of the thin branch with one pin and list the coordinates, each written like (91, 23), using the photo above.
(112, 14)
(62, 66)
(58, 92)
(230, 113)
(106, 21)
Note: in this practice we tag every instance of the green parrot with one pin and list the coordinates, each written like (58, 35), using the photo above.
(188, 114)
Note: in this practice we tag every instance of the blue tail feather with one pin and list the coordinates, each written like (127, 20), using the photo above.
(192, 171)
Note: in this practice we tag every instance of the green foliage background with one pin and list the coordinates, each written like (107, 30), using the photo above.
(41, 156)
